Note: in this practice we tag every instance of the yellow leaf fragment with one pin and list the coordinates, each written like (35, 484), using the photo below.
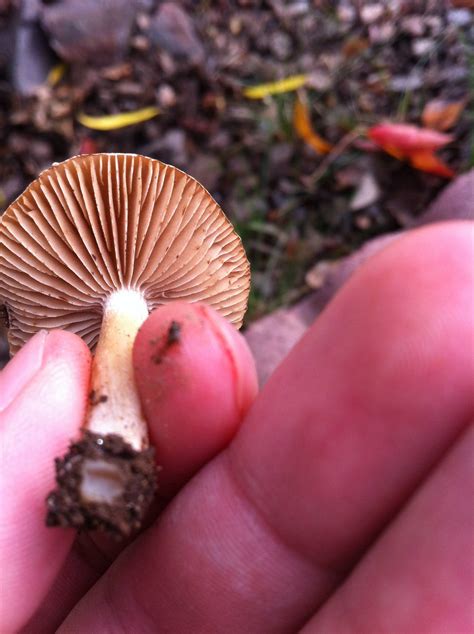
(288, 84)
(119, 120)
(56, 74)
(304, 129)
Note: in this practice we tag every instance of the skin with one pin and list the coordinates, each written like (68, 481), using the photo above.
(339, 502)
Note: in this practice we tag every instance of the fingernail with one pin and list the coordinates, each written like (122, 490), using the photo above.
(22, 369)
(240, 359)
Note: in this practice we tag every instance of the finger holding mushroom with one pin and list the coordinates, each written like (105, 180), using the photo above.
(92, 246)
(210, 382)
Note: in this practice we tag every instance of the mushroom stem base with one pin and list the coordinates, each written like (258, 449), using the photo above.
(102, 483)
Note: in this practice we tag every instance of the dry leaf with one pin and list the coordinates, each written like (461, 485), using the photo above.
(428, 162)
(355, 46)
(407, 138)
(304, 129)
(119, 120)
(367, 193)
(56, 74)
(463, 4)
(288, 84)
(417, 145)
(442, 115)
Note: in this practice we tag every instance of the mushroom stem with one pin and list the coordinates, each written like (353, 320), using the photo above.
(108, 478)
(114, 402)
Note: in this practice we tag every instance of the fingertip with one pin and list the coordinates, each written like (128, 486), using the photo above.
(63, 344)
(240, 359)
(196, 379)
(21, 369)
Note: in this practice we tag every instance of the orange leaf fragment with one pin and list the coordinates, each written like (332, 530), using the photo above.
(304, 129)
(408, 138)
(393, 151)
(426, 161)
(442, 115)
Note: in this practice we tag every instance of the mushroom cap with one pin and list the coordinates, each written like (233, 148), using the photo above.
(102, 222)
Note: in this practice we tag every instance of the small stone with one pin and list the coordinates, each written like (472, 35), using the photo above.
(413, 25)
(140, 43)
(346, 13)
(423, 46)
(402, 83)
(297, 9)
(172, 30)
(460, 17)
(320, 80)
(89, 31)
(33, 59)
(281, 46)
(381, 33)
(235, 25)
(367, 193)
(143, 21)
(166, 96)
(370, 13)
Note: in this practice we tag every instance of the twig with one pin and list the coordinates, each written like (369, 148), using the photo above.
(338, 149)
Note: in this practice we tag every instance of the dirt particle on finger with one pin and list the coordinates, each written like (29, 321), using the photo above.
(173, 337)
(174, 333)
(96, 399)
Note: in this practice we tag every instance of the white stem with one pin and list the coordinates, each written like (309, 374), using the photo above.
(114, 402)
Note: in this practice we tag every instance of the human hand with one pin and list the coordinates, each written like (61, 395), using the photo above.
(342, 502)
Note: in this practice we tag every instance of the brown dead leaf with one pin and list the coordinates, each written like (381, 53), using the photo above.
(355, 46)
(463, 4)
(442, 115)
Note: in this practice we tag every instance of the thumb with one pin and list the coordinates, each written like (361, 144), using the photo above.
(196, 378)
(42, 405)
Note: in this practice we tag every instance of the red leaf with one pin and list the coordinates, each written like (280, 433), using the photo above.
(417, 145)
(406, 138)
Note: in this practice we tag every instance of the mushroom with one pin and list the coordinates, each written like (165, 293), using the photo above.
(92, 246)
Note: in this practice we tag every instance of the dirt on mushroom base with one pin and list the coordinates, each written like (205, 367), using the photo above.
(67, 505)
(385, 59)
